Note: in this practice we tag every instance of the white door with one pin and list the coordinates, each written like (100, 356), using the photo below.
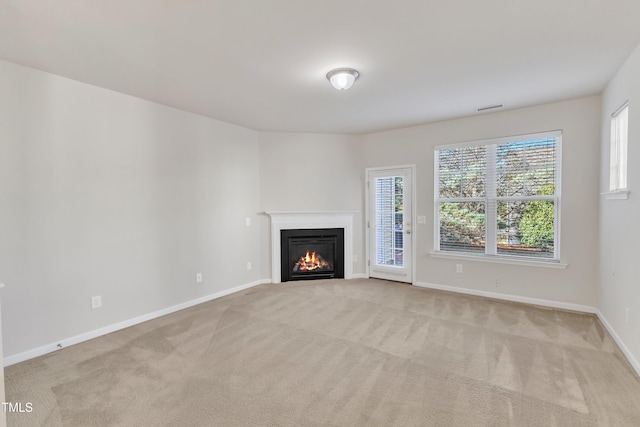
(389, 222)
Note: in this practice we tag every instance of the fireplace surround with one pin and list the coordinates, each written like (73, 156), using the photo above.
(310, 220)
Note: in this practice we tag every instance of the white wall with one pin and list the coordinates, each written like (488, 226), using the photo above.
(579, 120)
(105, 194)
(619, 229)
(310, 172)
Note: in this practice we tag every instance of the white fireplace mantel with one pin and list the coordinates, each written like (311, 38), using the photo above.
(324, 219)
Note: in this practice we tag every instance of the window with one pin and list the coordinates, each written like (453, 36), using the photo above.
(499, 197)
(618, 157)
(390, 220)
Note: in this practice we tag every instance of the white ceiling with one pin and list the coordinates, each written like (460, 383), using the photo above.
(262, 63)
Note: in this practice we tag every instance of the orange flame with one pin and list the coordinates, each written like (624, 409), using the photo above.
(311, 262)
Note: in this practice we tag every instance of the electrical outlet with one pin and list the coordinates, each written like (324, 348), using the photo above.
(198, 277)
(247, 221)
(96, 302)
(458, 268)
(248, 265)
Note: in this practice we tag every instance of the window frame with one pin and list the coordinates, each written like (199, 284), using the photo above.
(618, 151)
(490, 200)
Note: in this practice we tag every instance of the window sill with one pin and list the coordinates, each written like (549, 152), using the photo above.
(500, 260)
(616, 195)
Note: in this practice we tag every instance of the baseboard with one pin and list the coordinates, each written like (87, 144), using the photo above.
(625, 350)
(360, 276)
(514, 298)
(30, 354)
(545, 303)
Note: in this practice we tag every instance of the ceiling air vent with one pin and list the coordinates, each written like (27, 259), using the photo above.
(490, 107)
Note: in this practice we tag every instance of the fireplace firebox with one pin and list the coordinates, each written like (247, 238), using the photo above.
(308, 254)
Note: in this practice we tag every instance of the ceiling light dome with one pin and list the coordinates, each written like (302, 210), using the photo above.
(342, 78)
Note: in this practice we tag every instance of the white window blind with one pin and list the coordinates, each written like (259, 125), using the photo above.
(499, 197)
(389, 220)
(618, 156)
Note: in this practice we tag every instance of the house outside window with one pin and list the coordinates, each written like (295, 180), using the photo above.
(618, 154)
(500, 197)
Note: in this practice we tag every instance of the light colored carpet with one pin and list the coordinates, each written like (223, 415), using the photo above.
(342, 353)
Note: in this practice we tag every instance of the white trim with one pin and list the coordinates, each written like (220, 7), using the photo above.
(30, 354)
(622, 194)
(514, 298)
(324, 219)
(496, 198)
(619, 110)
(66, 342)
(557, 219)
(618, 149)
(499, 259)
(414, 222)
(367, 219)
(545, 303)
(490, 199)
(388, 271)
(414, 204)
(625, 350)
(501, 139)
(491, 204)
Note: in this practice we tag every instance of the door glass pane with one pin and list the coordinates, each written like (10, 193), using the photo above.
(389, 221)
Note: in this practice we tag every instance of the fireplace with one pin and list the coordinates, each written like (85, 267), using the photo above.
(293, 220)
(307, 254)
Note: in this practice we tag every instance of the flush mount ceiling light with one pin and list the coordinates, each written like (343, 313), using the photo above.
(342, 78)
